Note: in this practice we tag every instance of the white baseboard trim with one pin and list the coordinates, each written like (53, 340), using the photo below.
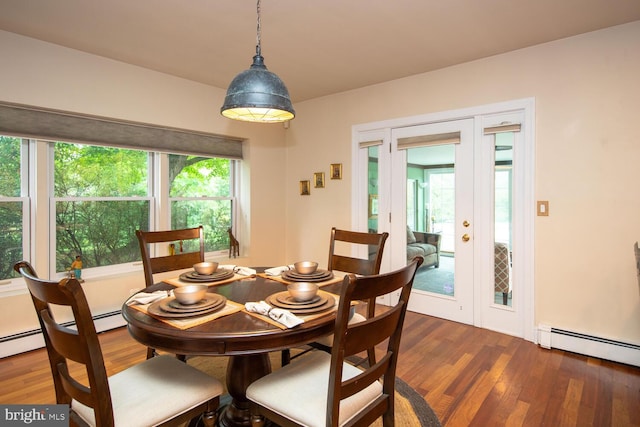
(588, 345)
(31, 340)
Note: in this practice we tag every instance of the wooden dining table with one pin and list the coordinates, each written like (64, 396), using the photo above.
(245, 337)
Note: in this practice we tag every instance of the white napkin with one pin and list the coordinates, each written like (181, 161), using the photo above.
(148, 297)
(243, 271)
(276, 271)
(280, 315)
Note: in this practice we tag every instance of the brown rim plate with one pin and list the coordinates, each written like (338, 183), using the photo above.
(284, 300)
(194, 277)
(330, 303)
(154, 309)
(295, 277)
(172, 304)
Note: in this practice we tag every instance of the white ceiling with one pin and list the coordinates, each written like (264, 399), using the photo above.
(317, 47)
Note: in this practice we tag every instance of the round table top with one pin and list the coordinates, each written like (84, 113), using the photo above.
(234, 334)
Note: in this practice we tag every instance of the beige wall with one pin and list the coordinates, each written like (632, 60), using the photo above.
(588, 148)
(50, 76)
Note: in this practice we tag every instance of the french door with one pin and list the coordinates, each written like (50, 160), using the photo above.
(462, 182)
(432, 201)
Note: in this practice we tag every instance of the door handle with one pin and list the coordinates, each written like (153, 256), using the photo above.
(465, 237)
(465, 223)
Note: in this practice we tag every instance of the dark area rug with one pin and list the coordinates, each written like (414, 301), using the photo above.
(411, 408)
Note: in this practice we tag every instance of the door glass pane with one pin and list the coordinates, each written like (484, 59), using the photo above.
(431, 216)
(372, 179)
(502, 217)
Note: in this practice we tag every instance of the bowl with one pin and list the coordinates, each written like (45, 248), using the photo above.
(302, 291)
(190, 294)
(205, 268)
(305, 267)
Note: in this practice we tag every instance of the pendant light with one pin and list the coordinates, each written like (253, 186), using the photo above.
(256, 94)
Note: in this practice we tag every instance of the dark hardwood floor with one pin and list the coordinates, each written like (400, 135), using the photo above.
(469, 376)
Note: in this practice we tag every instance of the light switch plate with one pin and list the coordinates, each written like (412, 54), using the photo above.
(543, 208)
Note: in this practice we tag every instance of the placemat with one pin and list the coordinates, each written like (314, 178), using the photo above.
(337, 278)
(175, 281)
(230, 308)
(306, 318)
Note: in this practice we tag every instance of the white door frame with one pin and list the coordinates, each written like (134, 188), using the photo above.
(524, 234)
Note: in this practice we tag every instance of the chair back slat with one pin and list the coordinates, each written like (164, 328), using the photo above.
(374, 330)
(64, 344)
(363, 266)
(164, 263)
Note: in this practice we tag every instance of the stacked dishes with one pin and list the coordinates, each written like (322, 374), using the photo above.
(172, 308)
(319, 303)
(316, 276)
(195, 277)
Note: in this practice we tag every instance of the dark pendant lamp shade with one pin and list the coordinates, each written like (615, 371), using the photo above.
(257, 95)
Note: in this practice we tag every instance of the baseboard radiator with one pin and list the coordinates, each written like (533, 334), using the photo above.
(589, 345)
(31, 340)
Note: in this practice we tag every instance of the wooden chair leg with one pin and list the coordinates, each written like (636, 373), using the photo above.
(151, 352)
(285, 357)
(257, 421)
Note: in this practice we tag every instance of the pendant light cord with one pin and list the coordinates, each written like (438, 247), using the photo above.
(258, 35)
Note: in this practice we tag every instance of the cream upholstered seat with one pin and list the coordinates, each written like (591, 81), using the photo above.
(321, 389)
(159, 391)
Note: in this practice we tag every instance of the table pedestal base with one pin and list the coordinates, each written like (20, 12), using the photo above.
(242, 371)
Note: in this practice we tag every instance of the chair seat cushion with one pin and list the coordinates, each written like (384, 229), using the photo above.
(299, 391)
(154, 391)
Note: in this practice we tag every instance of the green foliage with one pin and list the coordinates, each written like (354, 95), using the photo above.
(10, 170)
(103, 231)
(10, 210)
(92, 171)
(192, 176)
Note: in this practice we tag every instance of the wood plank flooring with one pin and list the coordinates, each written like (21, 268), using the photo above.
(469, 376)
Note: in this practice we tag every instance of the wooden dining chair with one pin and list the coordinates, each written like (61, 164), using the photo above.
(158, 391)
(342, 243)
(182, 248)
(322, 389)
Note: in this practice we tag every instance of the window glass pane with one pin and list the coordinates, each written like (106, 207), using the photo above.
(209, 180)
(503, 146)
(93, 171)
(10, 237)
(11, 207)
(102, 232)
(372, 175)
(191, 176)
(10, 158)
(213, 215)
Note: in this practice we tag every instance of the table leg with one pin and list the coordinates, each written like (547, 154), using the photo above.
(242, 370)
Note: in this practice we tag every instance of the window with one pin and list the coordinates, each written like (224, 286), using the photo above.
(101, 198)
(100, 195)
(13, 206)
(200, 193)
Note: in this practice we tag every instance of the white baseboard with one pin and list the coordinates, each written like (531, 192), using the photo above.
(588, 345)
(32, 340)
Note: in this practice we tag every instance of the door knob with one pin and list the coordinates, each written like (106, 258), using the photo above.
(465, 223)
(465, 237)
